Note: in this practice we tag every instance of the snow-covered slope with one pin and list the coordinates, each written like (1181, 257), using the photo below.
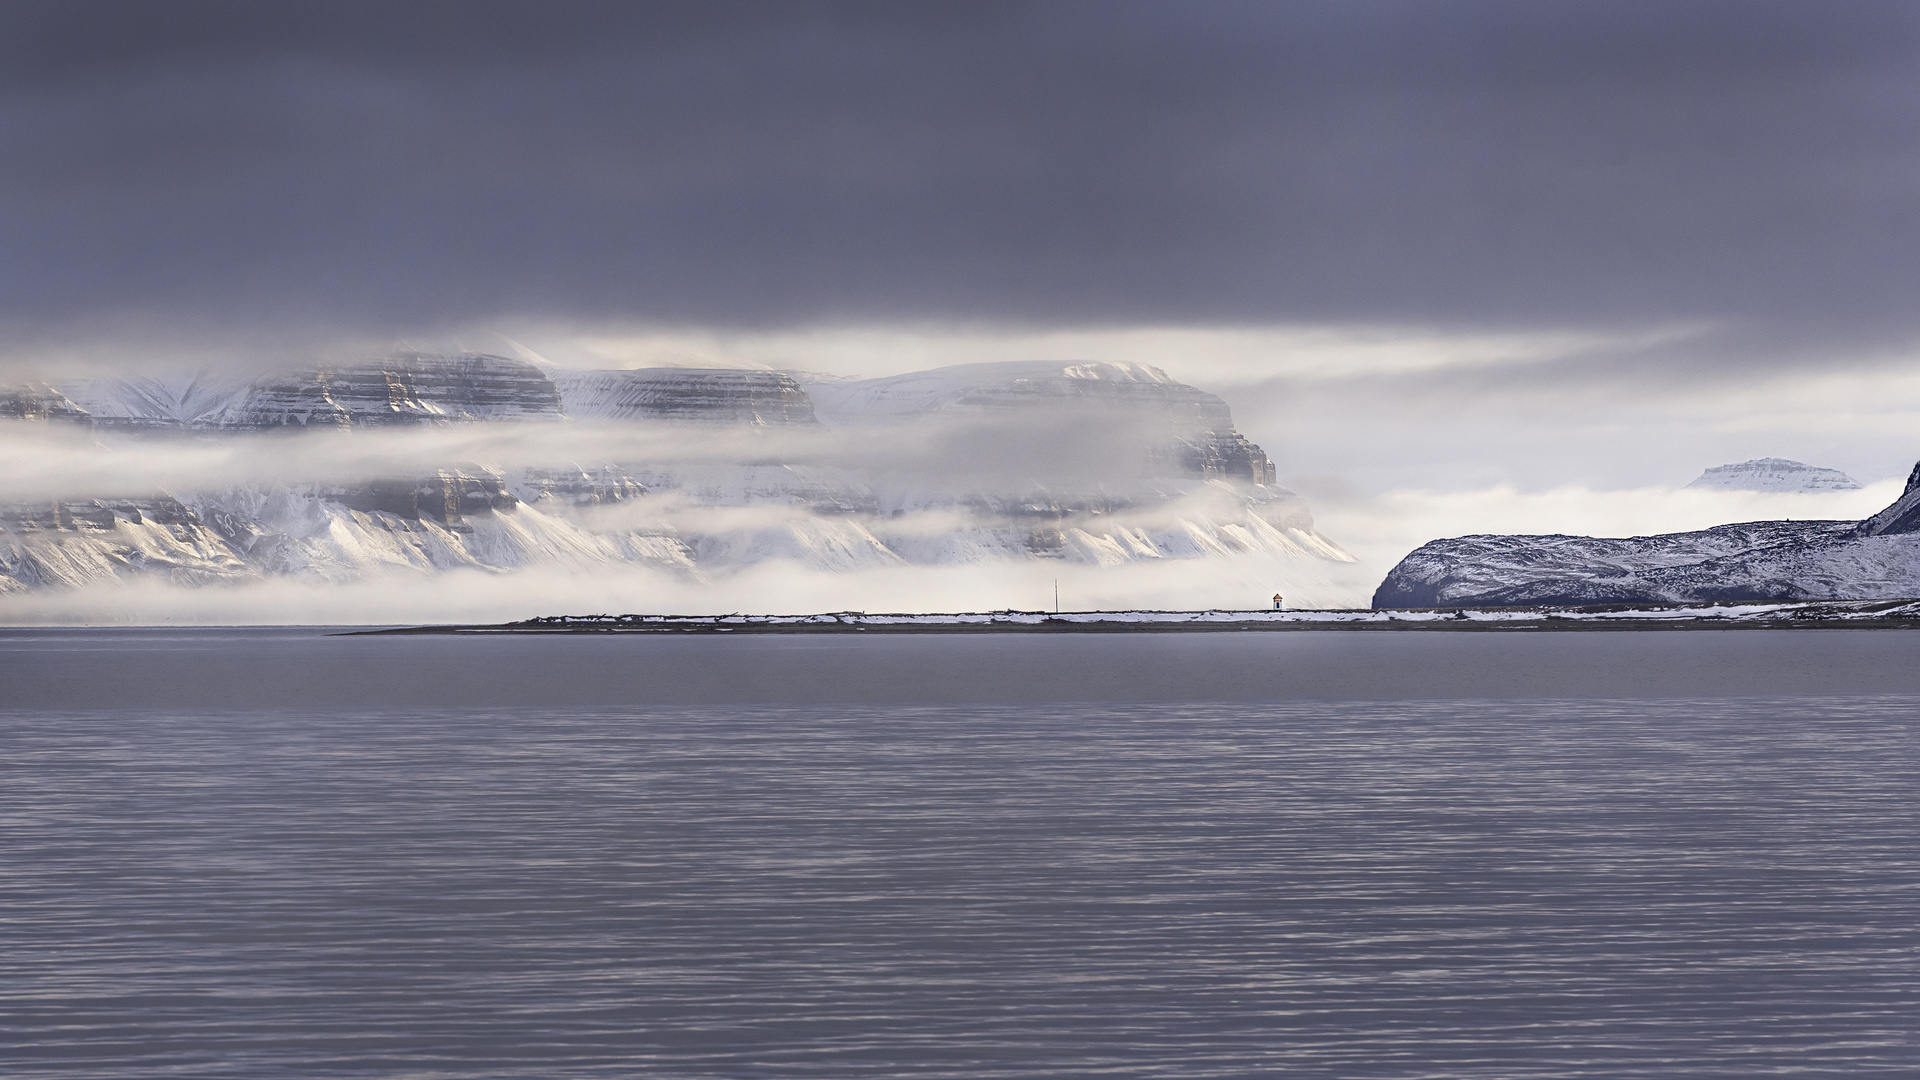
(1774, 474)
(447, 521)
(1756, 561)
(85, 542)
(469, 519)
(144, 403)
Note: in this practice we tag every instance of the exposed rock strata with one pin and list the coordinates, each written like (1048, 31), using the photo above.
(1774, 474)
(578, 486)
(759, 398)
(447, 496)
(408, 389)
(1190, 430)
(38, 401)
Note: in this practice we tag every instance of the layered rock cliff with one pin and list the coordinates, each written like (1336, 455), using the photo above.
(38, 401)
(1878, 558)
(759, 398)
(1191, 431)
(406, 389)
(1774, 474)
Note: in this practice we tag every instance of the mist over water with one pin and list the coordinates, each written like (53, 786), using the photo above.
(275, 853)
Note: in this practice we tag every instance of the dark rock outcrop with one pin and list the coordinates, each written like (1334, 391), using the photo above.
(448, 496)
(94, 515)
(714, 395)
(408, 389)
(1223, 455)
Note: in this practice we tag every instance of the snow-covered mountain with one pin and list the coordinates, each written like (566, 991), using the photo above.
(1878, 558)
(838, 491)
(1775, 475)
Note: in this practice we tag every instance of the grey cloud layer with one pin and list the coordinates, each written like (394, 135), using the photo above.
(373, 167)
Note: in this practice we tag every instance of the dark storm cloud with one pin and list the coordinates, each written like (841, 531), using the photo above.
(391, 165)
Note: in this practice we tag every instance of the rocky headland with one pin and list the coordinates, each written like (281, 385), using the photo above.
(1878, 558)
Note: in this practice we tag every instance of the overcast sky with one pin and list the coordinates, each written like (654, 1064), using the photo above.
(1632, 238)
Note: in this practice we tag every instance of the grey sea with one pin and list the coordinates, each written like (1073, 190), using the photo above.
(282, 853)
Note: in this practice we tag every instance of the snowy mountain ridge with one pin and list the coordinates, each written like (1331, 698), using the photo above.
(1760, 561)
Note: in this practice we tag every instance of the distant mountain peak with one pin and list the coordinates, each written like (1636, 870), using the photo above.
(1774, 475)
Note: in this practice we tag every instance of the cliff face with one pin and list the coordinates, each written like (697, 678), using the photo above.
(1774, 474)
(38, 401)
(418, 388)
(577, 486)
(447, 496)
(1900, 518)
(1191, 432)
(408, 389)
(758, 398)
(1878, 558)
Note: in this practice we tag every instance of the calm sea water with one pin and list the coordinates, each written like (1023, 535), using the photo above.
(279, 854)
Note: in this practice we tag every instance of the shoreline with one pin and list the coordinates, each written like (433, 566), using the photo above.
(1798, 615)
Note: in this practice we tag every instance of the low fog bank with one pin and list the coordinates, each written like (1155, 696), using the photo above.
(932, 453)
(1379, 531)
(778, 587)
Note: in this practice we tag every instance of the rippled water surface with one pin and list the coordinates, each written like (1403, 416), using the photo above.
(1580, 887)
